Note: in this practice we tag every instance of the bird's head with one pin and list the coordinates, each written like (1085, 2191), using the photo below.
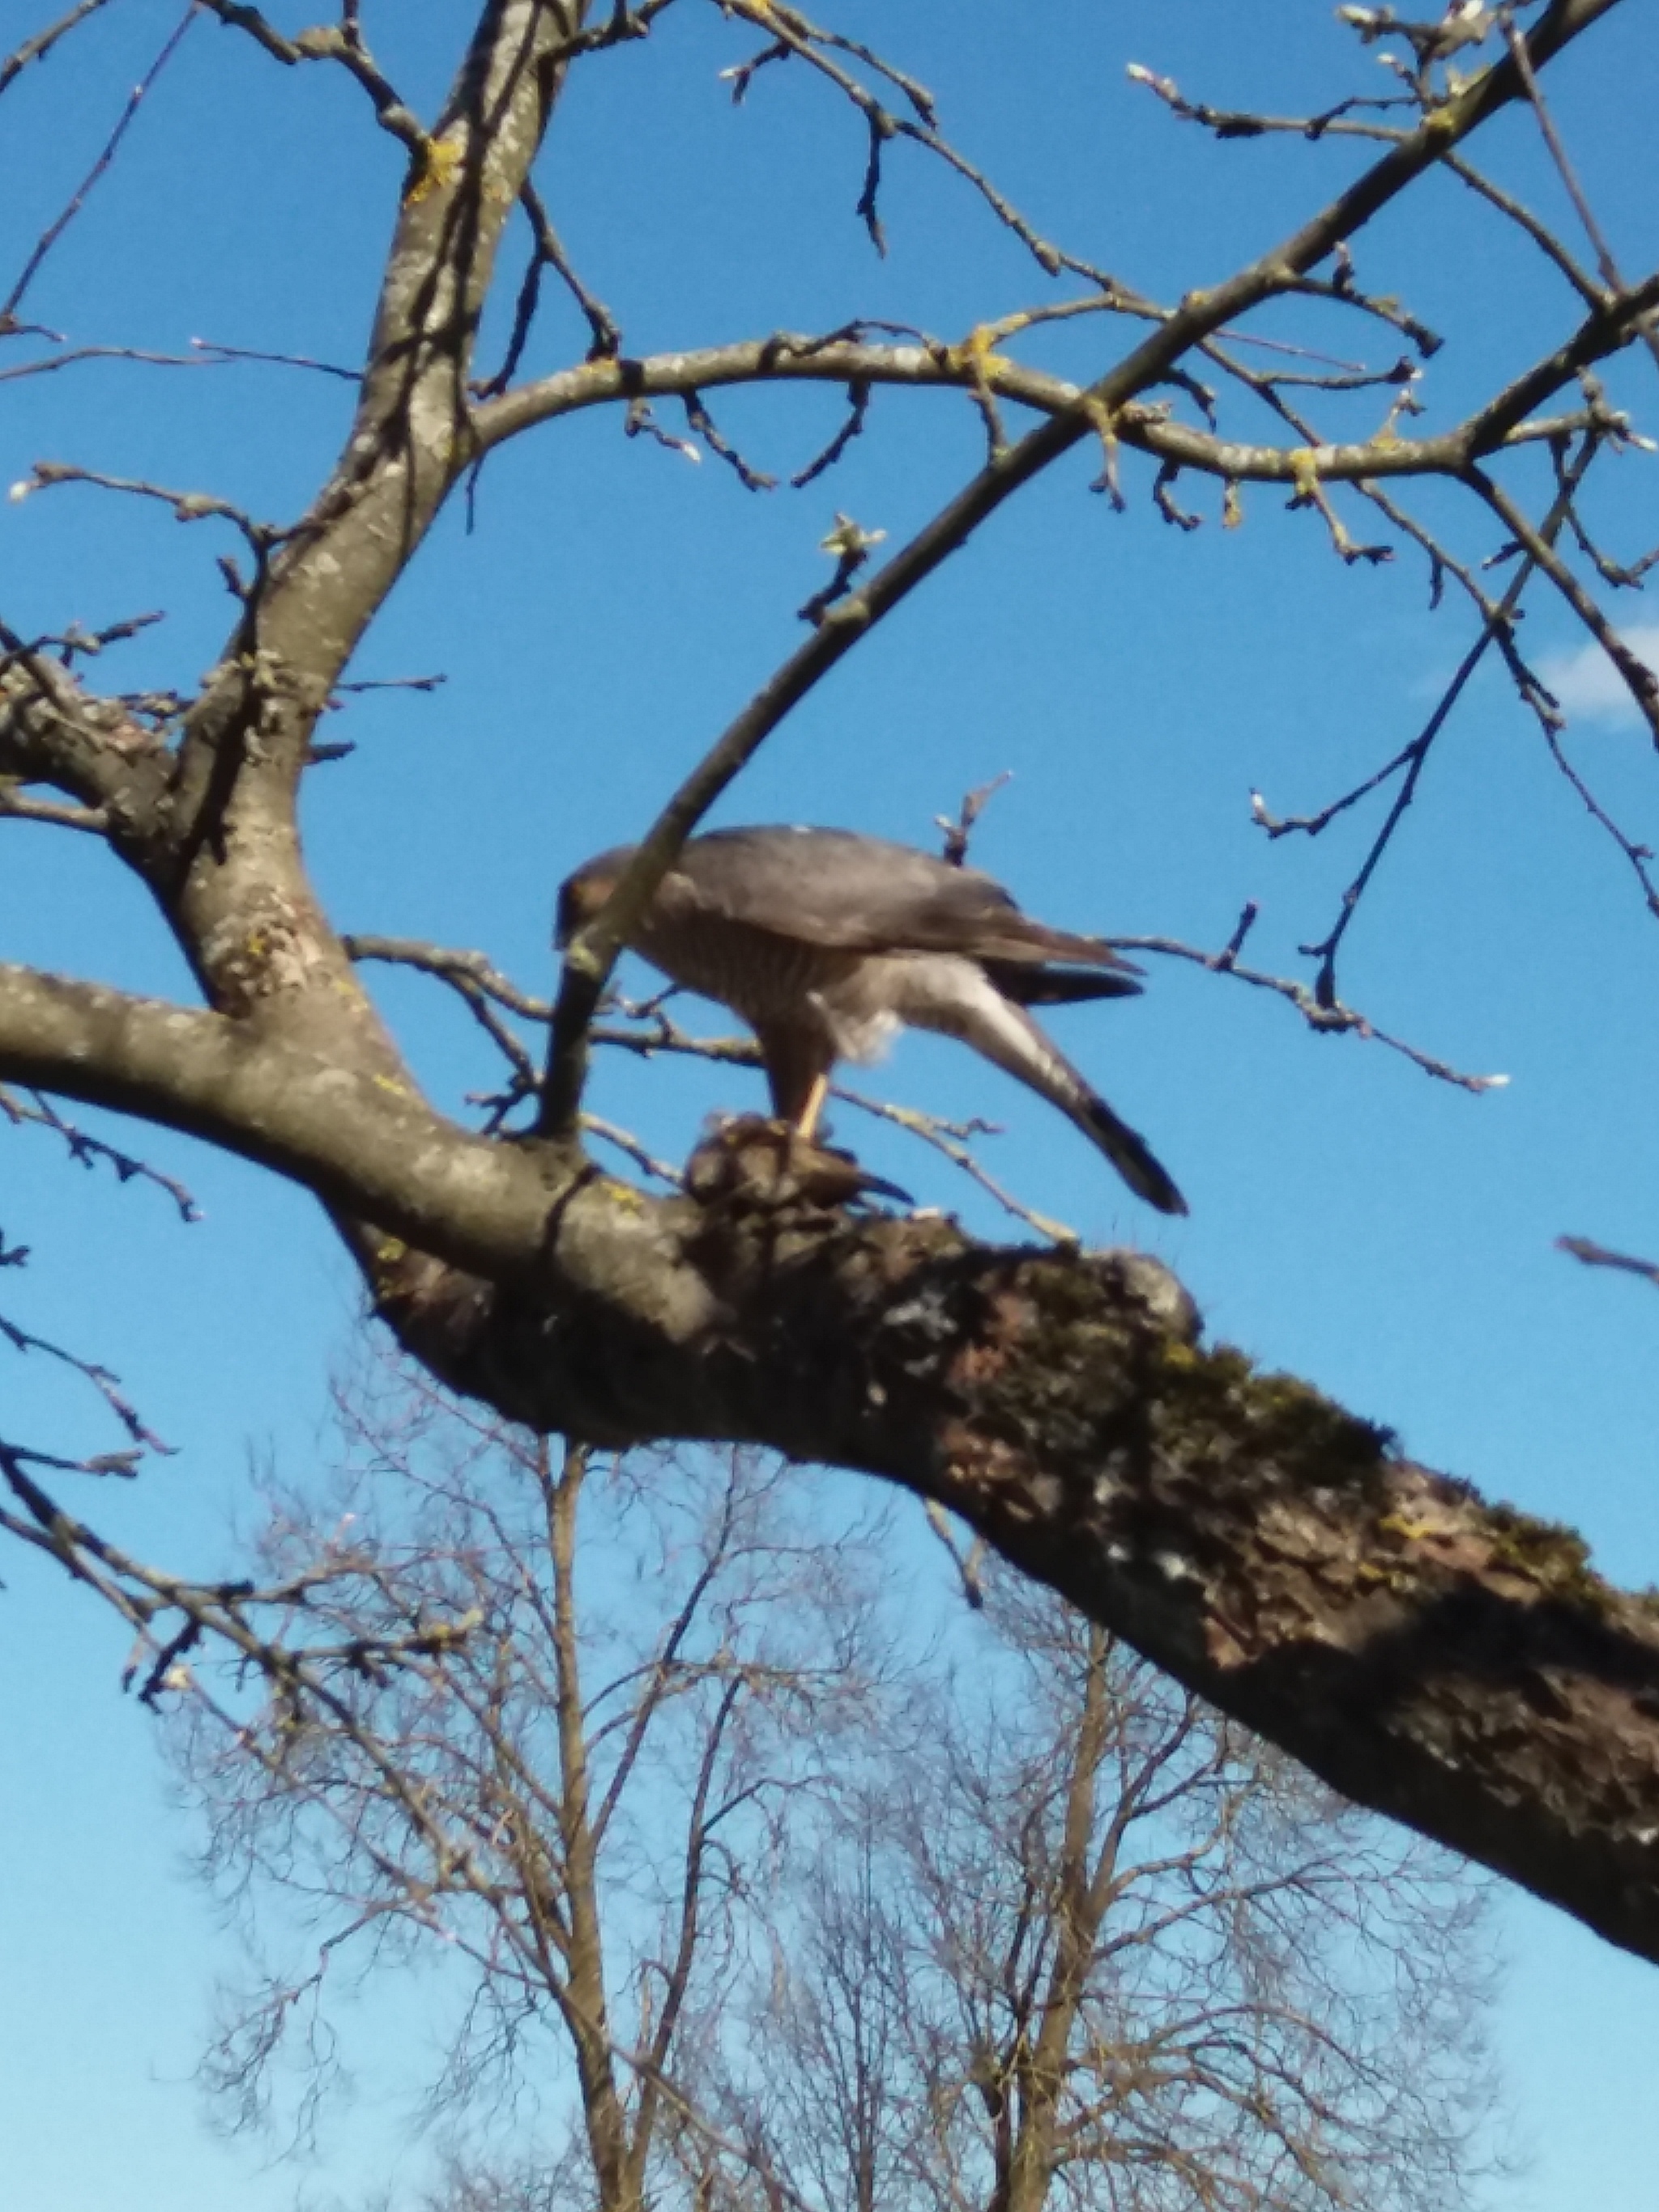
(583, 893)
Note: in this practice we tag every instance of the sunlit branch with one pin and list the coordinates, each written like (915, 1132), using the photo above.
(362, 1141)
(791, 357)
(36, 49)
(18, 806)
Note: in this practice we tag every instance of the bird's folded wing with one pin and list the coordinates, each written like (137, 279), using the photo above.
(834, 887)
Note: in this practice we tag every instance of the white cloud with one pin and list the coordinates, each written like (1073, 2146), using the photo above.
(1589, 686)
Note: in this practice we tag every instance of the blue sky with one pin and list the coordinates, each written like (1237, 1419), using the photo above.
(1388, 1236)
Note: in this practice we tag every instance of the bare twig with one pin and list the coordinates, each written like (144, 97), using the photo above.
(641, 422)
(1240, 122)
(477, 984)
(107, 1386)
(1599, 1255)
(470, 971)
(790, 34)
(211, 350)
(71, 644)
(1639, 856)
(628, 1144)
(1640, 680)
(1330, 1017)
(49, 362)
(152, 1601)
(951, 1138)
(958, 833)
(389, 684)
(186, 505)
(1539, 233)
(88, 1150)
(547, 252)
(697, 415)
(342, 43)
(857, 405)
(1593, 231)
(78, 199)
(1495, 629)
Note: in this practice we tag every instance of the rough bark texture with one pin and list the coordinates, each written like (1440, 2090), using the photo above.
(1453, 1663)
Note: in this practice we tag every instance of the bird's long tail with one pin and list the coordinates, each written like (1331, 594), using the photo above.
(1127, 1151)
(1028, 983)
(1008, 1034)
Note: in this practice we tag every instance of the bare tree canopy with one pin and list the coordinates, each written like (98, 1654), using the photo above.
(777, 1887)
(1449, 1662)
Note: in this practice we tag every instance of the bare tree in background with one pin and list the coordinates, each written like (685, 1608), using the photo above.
(810, 1911)
(1451, 1663)
(1085, 1943)
(565, 1796)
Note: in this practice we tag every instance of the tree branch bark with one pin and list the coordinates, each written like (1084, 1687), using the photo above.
(1454, 1664)
(1449, 1663)
(790, 357)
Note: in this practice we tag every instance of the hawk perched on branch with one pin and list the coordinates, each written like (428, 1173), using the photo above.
(826, 943)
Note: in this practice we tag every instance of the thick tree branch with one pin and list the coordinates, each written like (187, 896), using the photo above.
(1450, 1663)
(795, 357)
(53, 733)
(238, 888)
(358, 1140)
(411, 439)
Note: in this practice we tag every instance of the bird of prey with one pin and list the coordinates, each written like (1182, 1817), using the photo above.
(826, 943)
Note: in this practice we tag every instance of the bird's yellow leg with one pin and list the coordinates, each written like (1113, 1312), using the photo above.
(807, 1127)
